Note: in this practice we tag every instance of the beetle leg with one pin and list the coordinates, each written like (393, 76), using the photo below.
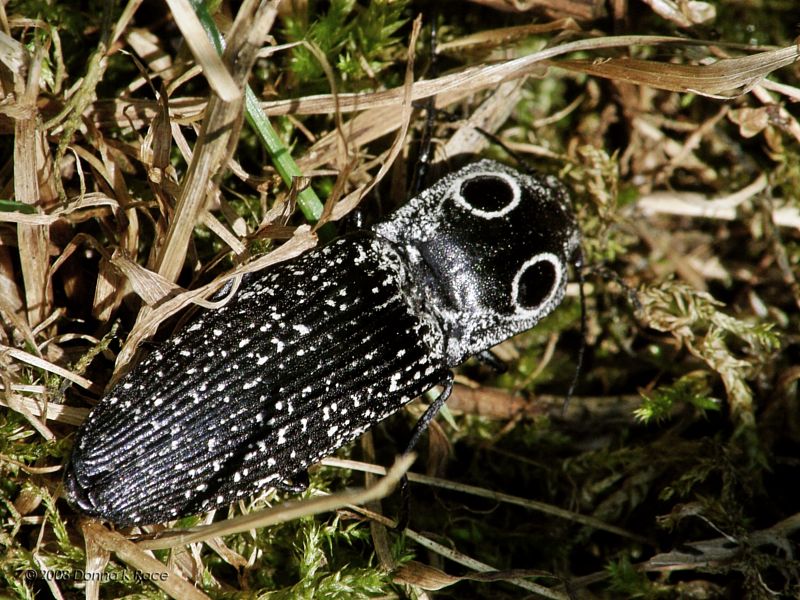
(419, 428)
(491, 359)
(296, 484)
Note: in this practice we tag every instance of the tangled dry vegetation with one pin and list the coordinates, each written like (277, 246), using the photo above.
(137, 177)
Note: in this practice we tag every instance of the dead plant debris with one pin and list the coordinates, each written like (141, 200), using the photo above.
(146, 161)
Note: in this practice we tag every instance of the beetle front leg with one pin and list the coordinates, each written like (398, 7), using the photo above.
(490, 359)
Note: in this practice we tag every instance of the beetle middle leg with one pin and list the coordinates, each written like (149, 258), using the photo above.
(297, 483)
(419, 429)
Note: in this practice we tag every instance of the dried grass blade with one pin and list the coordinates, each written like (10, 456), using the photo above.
(309, 204)
(71, 415)
(11, 309)
(285, 512)
(125, 19)
(454, 555)
(503, 35)
(217, 75)
(21, 408)
(97, 558)
(184, 110)
(149, 286)
(16, 319)
(695, 204)
(108, 291)
(486, 76)
(161, 575)
(496, 496)
(25, 220)
(352, 200)
(423, 575)
(140, 112)
(729, 76)
(32, 239)
(223, 233)
(360, 130)
(489, 116)
(220, 129)
(46, 365)
(13, 54)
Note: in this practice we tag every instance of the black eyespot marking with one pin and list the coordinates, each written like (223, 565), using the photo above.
(535, 284)
(487, 193)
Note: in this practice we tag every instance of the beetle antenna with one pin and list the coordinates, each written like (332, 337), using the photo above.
(426, 140)
(611, 275)
(496, 139)
(582, 348)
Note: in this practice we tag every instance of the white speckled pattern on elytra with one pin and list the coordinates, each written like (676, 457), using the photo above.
(272, 404)
(313, 352)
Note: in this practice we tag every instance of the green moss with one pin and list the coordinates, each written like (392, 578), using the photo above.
(705, 453)
(359, 42)
(692, 388)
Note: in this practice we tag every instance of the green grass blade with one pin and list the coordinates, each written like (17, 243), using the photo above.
(307, 199)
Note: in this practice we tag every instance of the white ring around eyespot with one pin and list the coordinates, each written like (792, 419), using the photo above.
(486, 214)
(544, 256)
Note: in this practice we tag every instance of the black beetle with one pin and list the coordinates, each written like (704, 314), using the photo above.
(314, 351)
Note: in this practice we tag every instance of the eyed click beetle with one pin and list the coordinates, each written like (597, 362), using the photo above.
(314, 351)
